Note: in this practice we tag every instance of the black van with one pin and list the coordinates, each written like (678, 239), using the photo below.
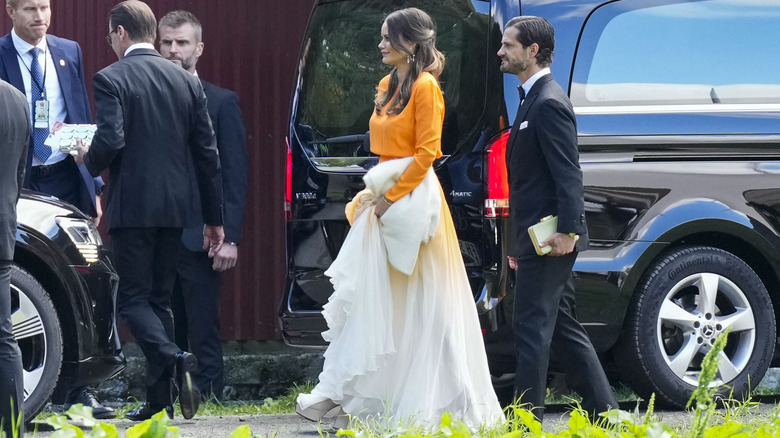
(678, 112)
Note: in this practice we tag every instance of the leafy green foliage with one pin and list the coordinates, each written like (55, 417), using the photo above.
(704, 395)
(736, 419)
(83, 416)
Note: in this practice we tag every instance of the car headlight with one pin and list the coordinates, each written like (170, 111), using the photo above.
(84, 235)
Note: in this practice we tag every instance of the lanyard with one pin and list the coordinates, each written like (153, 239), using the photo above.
(42, 86)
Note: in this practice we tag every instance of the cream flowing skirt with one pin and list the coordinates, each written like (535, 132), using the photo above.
(404, 348)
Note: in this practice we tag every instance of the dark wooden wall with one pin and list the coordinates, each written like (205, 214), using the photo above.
(251, 47)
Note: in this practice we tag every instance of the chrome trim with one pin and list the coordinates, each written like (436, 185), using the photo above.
(679, 140)
(341, 165)
(675, 109)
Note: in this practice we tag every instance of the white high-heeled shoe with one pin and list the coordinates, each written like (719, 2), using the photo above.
(316, 411)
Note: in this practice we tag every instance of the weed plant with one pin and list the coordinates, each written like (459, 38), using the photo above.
(736, 419)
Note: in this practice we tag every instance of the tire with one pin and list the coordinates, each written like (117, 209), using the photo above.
(671, 325)
(39, 335)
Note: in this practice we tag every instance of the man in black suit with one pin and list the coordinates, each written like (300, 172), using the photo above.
(155, 137)
(61, 85)
(14, 140)
(545, 179)
(197, 290)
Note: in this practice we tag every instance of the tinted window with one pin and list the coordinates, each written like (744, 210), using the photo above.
(341, 66)
(704, 53)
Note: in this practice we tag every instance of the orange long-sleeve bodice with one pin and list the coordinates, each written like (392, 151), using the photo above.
(415, 132)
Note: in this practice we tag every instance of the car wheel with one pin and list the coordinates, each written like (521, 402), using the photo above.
(684, 302)
(38, 333)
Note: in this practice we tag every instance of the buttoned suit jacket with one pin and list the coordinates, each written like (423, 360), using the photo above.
(230, 132)
(543, 167)
(155, 137)
(67, 58)
(14, 137)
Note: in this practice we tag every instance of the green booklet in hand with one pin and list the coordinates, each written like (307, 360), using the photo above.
(542, 231)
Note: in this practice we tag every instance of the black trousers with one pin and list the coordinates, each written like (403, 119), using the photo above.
(195, 303)
(544, 320)
(11, 378)
(62, 180)
(145, 259)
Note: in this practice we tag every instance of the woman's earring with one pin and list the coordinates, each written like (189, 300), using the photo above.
(409, 59)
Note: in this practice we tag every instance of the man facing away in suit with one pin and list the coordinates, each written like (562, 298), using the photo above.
(14, 141)
(155, 137)
(545, 179)
(49, 71)
(198, 280)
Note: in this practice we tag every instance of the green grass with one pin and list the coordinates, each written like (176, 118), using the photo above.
(734, 419)
(213, 407)
(281, 405)
(623, 394)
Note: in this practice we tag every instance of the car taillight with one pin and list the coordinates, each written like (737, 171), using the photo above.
(288, 194)
(497, 201)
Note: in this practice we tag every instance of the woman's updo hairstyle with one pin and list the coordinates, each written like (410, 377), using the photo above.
(404, 27)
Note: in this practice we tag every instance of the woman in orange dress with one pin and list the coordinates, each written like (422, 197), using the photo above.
(405, 341)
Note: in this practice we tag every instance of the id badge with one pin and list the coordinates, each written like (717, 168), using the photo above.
(41, 114)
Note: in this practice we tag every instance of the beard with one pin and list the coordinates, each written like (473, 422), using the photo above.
(515, 67)
(186, 63)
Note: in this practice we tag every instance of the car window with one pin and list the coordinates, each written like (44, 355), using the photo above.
(341, 65)
(712, 52)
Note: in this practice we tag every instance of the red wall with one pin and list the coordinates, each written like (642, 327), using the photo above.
(251, 47)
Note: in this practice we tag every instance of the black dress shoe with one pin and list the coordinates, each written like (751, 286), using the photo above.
(146, 411)
(86, 396)
(189, 397)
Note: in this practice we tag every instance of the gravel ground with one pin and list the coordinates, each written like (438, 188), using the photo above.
(291, 425)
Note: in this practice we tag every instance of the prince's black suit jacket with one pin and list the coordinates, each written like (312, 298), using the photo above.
(543, 167)
(545, 179)
(154, 134)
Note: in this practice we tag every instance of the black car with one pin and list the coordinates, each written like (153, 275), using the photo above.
(678, 112)
(63, 290)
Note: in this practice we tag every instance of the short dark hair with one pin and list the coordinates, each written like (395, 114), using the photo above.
(537, 30)
(178, 18)
(137, 18)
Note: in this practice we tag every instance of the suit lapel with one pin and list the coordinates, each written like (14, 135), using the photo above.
(62, 65)
(528, 102)
(11, 62)
(513, 133)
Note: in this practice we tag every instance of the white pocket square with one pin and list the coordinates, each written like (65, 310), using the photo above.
(523, 125)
